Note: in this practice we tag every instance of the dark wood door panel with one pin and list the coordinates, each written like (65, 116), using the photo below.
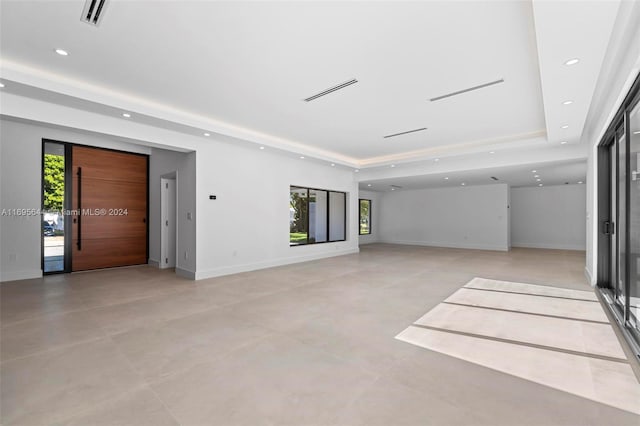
(111, 194)
(109, 165)
(107, 253)
(112, 226)
(110, 200)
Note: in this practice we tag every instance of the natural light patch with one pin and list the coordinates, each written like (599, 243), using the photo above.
(551, 336)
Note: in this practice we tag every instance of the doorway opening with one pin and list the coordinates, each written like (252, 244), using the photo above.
(168, 234)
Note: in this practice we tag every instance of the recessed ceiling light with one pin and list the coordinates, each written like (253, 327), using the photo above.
(539, 184)
(333, 164)
(463, 184)
(536, 176)
(533, 171)
(538, 180)
(446, 178)
(580, 182)
(572, 61)
(393, 189)
(393, 165)
(369, 184)
(262, 147)
(207, 134)
(566, 126)
(436, 159)
(492, 152)
(126, 115)
(1, 85)
(356, 170)
(563, 143)
(302, 157)
(62, 52)
(567, 102)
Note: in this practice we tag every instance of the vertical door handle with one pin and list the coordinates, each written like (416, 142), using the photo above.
(79, 242)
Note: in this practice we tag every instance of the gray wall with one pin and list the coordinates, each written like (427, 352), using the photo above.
(549, 217)
(474, 217)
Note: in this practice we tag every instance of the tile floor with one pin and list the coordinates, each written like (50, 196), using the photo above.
(305, 344)
(581, 356)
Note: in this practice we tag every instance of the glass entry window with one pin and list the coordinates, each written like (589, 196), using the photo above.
(53, 203)
(316, 216)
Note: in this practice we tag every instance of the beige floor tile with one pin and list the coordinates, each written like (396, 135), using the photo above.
(140, 408)
(516, 287)
(46, 333)
(176, 345)
(568, 373)
(276, 381)
(579, 309)
(55, 385)
(579, 336)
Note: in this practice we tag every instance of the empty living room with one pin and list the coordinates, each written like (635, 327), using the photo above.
(320, 213)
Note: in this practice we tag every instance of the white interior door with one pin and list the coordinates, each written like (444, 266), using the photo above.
(168, 234)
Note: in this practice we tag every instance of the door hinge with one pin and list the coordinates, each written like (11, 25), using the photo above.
(166, 222)
(166, 260)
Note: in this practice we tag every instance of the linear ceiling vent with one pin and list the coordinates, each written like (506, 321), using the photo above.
(331, 90)
(405, 133)
(396, 187)
(494, 178)
(93, 11)
(470, 89)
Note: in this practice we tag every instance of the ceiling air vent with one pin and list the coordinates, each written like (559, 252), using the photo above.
(470, 89)
(331, 90)
(404, 133)
(494, 178)
(93, 11)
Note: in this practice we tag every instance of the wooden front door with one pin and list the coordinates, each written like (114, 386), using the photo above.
(109, 200)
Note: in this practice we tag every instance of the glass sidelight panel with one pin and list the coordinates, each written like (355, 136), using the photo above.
(53, 202)
(634, 217)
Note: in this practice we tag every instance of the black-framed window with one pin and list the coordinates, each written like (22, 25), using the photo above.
(365, 217)
(316, 216)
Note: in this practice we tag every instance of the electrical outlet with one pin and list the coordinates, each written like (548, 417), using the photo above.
(188, 215)
(186, 255)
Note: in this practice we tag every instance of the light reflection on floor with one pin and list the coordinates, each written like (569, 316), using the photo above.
(552, 336)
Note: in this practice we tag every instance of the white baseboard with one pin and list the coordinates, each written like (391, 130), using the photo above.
(185, 273)
(587, 273)
(550, 246)
(236, 269)
(153, 262)
(447, 245)
(20, 275)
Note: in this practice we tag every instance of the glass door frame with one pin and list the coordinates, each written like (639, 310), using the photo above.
(66, 207)
(606, 151)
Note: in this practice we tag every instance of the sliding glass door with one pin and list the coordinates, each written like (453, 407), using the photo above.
(634, 217)
(619, 198)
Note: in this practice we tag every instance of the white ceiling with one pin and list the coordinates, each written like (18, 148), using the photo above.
(243, 69)
(558, 173)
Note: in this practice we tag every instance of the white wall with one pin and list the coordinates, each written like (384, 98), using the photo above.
(375, 197)
(163, 162)
(247, 226)
(20, 183)
(549, 217)
(466, 217)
